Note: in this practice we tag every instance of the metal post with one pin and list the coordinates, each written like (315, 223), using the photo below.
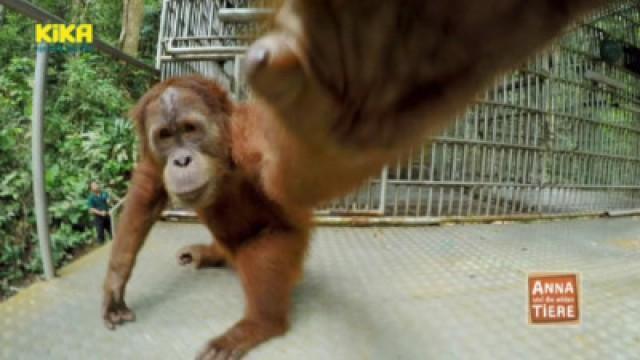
(383, 190)
(237, 69)
(37, 158)
(161, 32)
(247, 15)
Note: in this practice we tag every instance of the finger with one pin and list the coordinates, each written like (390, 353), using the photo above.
(222, 354)
(184, 258)
(274, 69)
(115, 318)
(237, 354)
(206, 354)
(127, 315)
(106, 315)
(274, 51)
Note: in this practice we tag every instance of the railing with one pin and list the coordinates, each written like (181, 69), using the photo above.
(38, 15)
(114, 213)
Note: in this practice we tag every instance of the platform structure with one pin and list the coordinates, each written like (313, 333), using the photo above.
(448, 292)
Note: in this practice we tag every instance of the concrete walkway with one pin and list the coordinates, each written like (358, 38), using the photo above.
(456, 292)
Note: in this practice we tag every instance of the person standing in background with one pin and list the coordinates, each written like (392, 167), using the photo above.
(99, 206)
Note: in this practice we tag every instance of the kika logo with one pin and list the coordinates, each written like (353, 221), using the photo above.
(63, 33)
(554, 298)
(64, 38)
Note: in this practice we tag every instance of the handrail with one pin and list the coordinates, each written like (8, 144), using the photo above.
(244, 15)
(213, 49)
(217, 52)
(112, 214)
(37, 150)
(31, 11)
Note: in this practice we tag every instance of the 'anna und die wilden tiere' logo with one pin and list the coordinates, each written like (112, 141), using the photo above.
(64, 37)
(554, 298)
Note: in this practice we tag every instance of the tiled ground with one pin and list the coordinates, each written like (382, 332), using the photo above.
(455, 292)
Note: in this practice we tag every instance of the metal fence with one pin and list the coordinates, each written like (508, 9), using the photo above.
(559, 135)
(208, 37)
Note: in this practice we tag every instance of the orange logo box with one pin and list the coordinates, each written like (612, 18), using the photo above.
(554, 298)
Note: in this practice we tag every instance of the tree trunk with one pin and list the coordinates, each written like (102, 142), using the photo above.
(132, 17)
(78, 11)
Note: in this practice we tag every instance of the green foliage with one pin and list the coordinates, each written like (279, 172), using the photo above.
(150, 29)
(87, 135)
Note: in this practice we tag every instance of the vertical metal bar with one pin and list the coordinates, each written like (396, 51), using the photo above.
(37, 158)
(538, 170)
(442, 178)
(237, 87)
(483, 161)
(525, 192)
(369, 196)
(530, 155)
(561, 181)
(551, 139)
(408, 189)
(383, 190)
(188, 30)
(492, 161)
(420, 177)
(453, 175)
(161, 32)
(512, 169)
(432, 166)
(397, 187)
(465, 150)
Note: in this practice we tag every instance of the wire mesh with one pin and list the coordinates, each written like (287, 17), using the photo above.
(561, 134)
(194, 39)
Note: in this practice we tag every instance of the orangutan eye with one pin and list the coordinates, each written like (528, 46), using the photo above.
(164, 134)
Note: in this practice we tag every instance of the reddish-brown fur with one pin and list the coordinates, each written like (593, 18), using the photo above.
(265, 241)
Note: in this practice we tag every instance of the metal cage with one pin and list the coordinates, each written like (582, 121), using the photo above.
(559, 135)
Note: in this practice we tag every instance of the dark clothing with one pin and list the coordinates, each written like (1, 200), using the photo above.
(99, 202)
(103, 223)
